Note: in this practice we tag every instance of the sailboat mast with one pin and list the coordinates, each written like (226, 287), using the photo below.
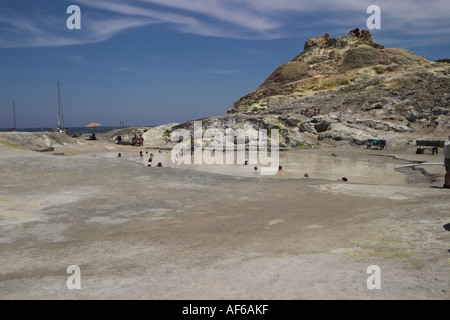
(59, 109)
(60, 106)
(14, 112)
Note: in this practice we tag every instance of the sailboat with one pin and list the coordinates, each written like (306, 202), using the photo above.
(60, 115)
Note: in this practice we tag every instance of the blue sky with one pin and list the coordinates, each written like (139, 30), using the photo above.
(150, 62)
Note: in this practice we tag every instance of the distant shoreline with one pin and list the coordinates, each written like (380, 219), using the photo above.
(72, 130)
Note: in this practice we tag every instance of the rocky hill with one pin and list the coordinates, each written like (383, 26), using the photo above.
(348, 89)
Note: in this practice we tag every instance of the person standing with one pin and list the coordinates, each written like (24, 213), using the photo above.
(447, 163)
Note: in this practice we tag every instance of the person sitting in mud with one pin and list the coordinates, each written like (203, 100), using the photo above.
(149, 162)
(119, 155)
(137, 141)
(134, 140)
(141, 154)
(343, 179)
(434, 150)
(306, 175)
(159, 164)
(280, 169)
(140, 140)
(246, 163)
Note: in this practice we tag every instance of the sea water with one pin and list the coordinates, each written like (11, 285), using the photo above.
(72, 130)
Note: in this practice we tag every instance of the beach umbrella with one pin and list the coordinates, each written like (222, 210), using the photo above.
(93, 125)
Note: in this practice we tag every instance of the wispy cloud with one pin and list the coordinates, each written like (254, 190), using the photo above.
(236, 19)
(44, 30)
(239, 13)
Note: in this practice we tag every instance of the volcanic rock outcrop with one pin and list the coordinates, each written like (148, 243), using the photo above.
(348, 89)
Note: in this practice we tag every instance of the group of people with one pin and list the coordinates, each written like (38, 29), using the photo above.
(344, 179)
(306, 175)
(150, 160)
(307, 113)
(280, 168)
(137, 141)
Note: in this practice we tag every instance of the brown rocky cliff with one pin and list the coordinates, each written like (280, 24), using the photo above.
(330, 63)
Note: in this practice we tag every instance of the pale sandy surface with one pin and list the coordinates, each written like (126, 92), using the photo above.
(177, 233)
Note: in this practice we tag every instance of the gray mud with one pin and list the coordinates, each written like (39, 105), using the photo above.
(139, 232)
